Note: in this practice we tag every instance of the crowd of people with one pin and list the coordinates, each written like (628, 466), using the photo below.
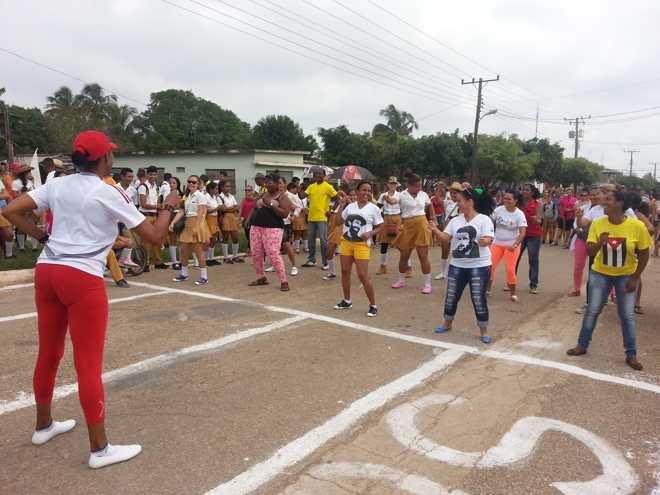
(88, 221)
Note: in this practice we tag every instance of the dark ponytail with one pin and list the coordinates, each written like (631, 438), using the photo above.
(483, 202)
(80, 160)
(411, 177)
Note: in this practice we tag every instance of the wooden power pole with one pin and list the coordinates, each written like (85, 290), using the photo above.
(631, 158)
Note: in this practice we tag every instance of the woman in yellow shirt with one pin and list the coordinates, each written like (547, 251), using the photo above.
(620, 245)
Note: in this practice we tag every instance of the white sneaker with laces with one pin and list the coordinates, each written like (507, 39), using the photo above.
(270, 269)
(440, 276)
(113, 454)
(325, 267)
(294, 271)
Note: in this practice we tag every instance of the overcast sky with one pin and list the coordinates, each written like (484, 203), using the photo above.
(594, 57)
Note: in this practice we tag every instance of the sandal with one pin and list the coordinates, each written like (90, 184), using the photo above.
(638, 310)
(442, 329)
(574, 293)
(284, 287)
(260, 281)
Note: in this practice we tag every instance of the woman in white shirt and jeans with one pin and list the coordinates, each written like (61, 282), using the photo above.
(69, 286)
(470, 234)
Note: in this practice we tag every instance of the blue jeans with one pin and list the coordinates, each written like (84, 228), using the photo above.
(457, 279)
(599, 288)
(319, 229)
(533, 247)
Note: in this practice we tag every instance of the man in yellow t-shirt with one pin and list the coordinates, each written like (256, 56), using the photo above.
(620, 245)
(319, 194)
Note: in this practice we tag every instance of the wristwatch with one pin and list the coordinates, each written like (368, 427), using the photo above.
(44, 238)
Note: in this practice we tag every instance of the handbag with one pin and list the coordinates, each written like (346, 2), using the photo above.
(179, 225)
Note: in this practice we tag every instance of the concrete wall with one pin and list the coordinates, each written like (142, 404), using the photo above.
(245, 165)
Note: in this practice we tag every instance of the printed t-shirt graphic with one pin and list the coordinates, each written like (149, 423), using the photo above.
(466, 243)
(614, 252)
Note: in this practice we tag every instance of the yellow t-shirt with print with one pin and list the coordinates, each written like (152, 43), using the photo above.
(618, 256)
(319, 196)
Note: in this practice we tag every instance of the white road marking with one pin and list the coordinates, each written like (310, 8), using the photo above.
(24, 400)
(503, 355)
(516, 445)
(299, 449)
(25, 316)
(540, 344)
(15, 286)
(409, 483)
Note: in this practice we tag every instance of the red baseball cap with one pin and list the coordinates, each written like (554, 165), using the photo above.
(93, 144)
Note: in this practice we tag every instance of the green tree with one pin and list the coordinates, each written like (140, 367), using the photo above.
(119, 125)
(280, 132)
(93, 106)
(579, 171)
(343, 147)
(501, 159)
(398, 121)
(179, 120)
(443, 155)
(549, 164)
(28, 129)
(62, 119)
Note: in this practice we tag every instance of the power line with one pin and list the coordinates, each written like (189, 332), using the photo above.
(631, 159)
(577, 121)
(477, 119)
(299, 53)
(70, 76)
(445, 45)
(420, 84)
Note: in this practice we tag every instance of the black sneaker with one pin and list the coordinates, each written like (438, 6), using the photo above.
(373, 311)
(161, 266)
(212, 262)
(344, 305)
(176, 266)
(146, 269)
(122, 283)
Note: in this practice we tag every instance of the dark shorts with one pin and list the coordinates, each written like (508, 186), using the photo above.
(288, 234)
(566, 224)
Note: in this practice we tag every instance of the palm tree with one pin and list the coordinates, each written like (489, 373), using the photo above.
(119, 123)
(61, 103)
(399, 121)
(93, 104)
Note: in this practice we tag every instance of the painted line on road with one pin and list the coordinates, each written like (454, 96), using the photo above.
(502, 355)
(26, 400)
(299, 449)
(25, 316)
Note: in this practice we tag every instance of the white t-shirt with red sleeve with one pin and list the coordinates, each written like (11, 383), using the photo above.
(86, 211)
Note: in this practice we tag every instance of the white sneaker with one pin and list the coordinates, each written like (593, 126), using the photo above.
(113, 454)
(294, 271)
(325, 267)
(270, 269)
(440, 276)
(40, 437)
(128, 263)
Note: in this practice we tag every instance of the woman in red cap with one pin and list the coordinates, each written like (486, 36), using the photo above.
(70, 292)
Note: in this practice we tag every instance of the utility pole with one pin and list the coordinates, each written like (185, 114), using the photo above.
(6, 128)
(655, 169)
(477, 118)
(577, 121)
(631, 158)
(536, 131)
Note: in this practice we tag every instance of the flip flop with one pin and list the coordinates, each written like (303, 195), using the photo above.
(442, 329)
(258, 282)
(486, 339)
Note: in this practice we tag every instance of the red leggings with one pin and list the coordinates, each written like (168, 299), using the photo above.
(68, 297)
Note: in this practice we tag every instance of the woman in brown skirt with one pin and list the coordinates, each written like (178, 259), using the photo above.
(229, 209)
(416, 213)
(389, 202)
(196, 233)
(212, 206)
(299, 226)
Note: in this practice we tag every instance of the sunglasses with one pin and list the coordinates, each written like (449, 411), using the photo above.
(192, 182)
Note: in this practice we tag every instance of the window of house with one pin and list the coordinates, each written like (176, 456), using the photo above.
(180, 170)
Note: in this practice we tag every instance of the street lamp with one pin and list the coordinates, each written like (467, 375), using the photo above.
(475, 144)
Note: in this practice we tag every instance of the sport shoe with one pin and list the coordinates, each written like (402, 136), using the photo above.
(180, 278)
(308, 263)
(440, 276)
(373, 311)
(382, 270)
(398, 284)
(122, 283)
(113, 454)
(128, 263)
(325, 267)
(427, 289)
(40, 437)
(294, 271)
(201, 281)
(344, 305)
(270, 269)
(161, 266)
(581, 309)
(330, 276)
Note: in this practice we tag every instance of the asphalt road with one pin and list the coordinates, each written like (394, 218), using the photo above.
(233, 389)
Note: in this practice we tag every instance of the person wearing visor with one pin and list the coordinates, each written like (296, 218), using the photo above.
(70, 292)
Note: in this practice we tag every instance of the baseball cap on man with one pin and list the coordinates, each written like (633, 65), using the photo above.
(93, 145)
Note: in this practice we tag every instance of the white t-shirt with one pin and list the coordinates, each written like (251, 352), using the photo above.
(228, 200)
(211, 202)
(51, 175)
(164, 190)
(86, 211)
(413, 207)
(388, 208)
(151, 192)
(297, 202)
(198, 198)
(465, 249)
(3, 202)
(451, 209)
(598, 211)
(17, 186)
(131, 192)
(507, 225)
(358, 220)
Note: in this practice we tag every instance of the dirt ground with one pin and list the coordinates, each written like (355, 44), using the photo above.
(235, 390)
